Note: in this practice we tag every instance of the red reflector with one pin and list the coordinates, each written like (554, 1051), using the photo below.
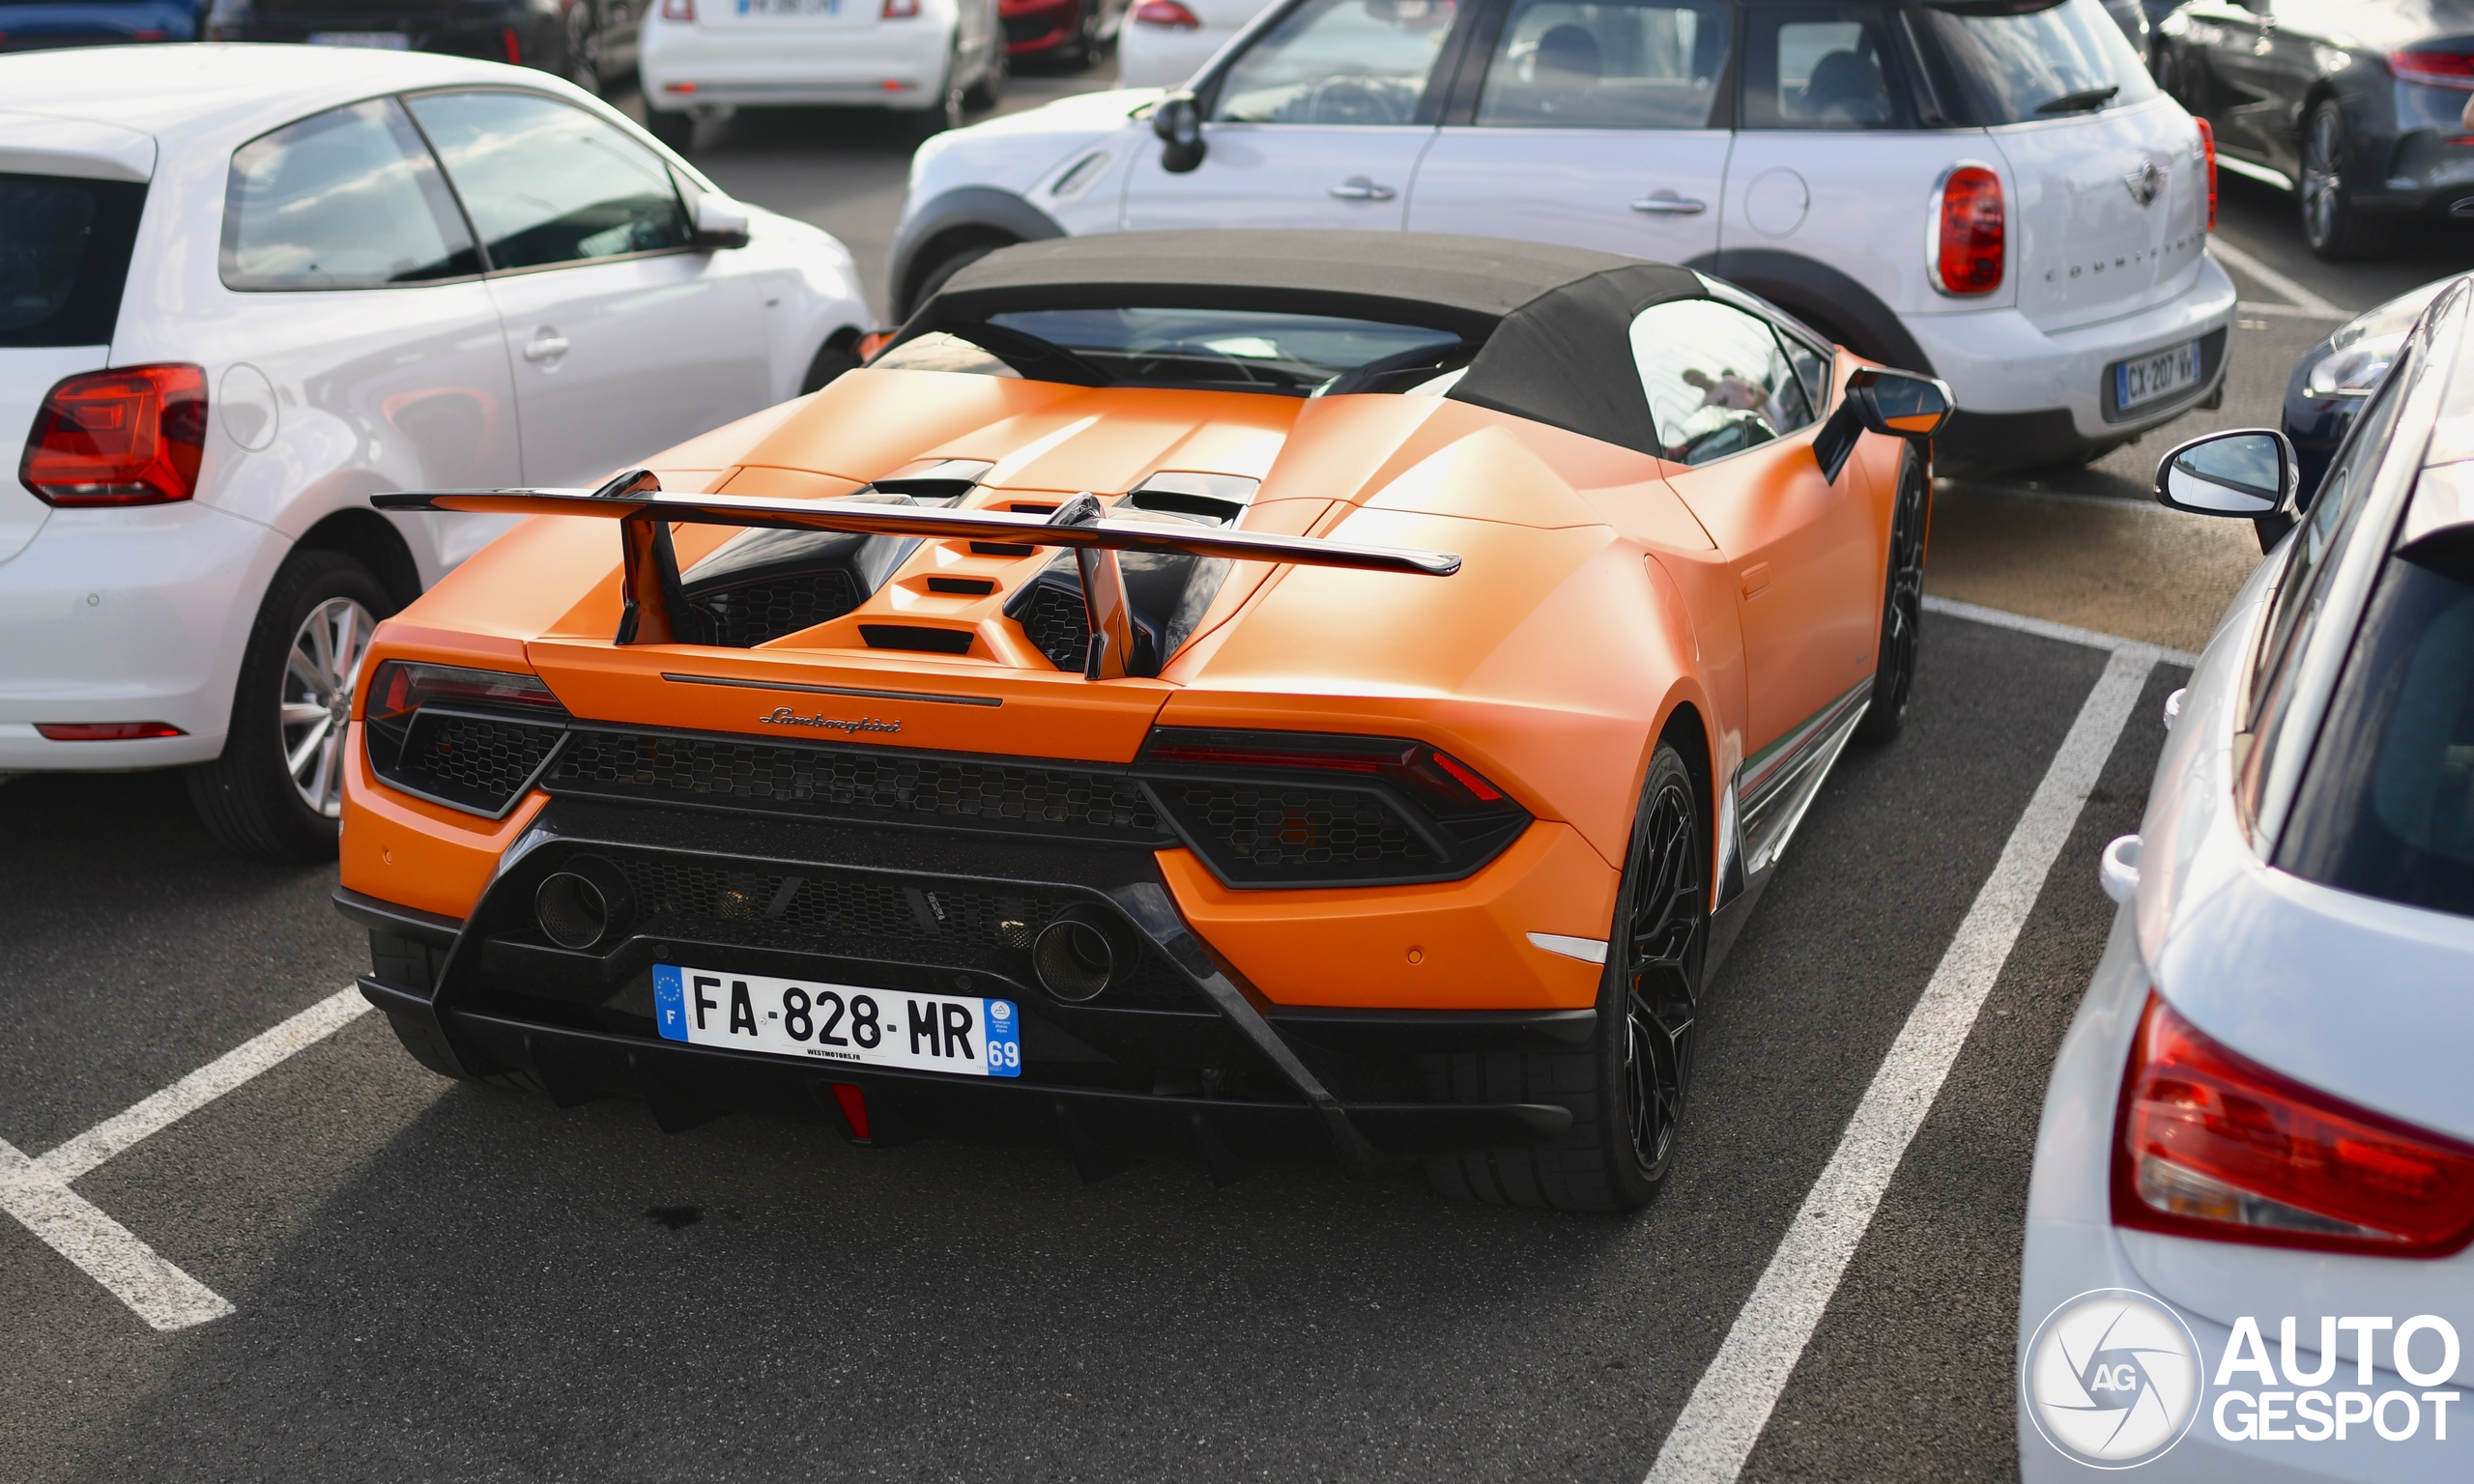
(117, 437)
(2434, 69)
(1486, 791)
(2210, 1143)
(854, 1107)
(1969, 259)
(105, 731)
(149, 35)
(514, 48)
(869, 344)
(1165, 12)
(2207, 147)
(678, 87)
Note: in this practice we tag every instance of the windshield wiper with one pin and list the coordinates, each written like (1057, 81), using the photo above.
(2080, 101)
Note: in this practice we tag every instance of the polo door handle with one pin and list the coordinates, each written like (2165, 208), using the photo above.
(548, 345)
(1358, 187)
(1666, 203)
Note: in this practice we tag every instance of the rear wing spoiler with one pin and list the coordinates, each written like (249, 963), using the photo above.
(650, 566)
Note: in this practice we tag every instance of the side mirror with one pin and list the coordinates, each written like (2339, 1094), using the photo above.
(2249, 473)
(1177, 119)
(720, 222)
(1896, 404)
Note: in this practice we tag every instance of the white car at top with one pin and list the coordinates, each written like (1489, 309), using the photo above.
(923, 59)
(2250, 1243)
(1996, 195)
(1165, 41)
(245, 288)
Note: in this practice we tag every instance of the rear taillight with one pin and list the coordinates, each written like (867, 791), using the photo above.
(514, 46)
(1968, 256)
(104, 731)
(399, 688)
(2210, 1144)
(901, 10)
(1165, 13)
(681, 10)
(2208, 148)
(474, 740)
(2434, 69)
(132, 436)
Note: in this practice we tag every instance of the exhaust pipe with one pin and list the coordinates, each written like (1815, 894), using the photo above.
(1075, 956)
(585, 904)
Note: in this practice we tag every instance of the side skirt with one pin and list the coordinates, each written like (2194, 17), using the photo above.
(1775, 788)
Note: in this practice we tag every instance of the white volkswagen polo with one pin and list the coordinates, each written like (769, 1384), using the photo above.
(1993, 194)
(2249, 1223)
(243, 288)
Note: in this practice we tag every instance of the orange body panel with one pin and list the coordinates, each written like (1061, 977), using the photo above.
(1600, 589)
(1456, 945)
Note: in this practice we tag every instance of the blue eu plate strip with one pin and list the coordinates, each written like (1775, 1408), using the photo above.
(670, 1003)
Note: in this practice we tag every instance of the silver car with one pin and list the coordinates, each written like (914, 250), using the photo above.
(2247, 1248)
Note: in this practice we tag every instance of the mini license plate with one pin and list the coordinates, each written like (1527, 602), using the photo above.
(2145, 379)
(380, 40)
(826, 1022)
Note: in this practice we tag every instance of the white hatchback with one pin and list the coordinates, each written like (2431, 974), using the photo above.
(923, 58)
(1995, 194)
(2248, 1226)
(245, 288)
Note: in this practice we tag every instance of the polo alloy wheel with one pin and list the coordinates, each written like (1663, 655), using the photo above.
(317, 699)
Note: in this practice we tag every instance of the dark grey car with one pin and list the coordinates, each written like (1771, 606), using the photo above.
(2357, 106)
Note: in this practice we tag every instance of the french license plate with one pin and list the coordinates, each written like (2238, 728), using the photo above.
(827, 1022)
(790, 7)
(380, 40)
(2150, 376)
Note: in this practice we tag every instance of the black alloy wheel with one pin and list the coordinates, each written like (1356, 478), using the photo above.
(2336, 229)
(1902, 603)
(1626, 1087)
(582, 47)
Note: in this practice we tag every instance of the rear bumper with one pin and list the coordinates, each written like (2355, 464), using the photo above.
(480, 33)
(2028, 396)
(1178, 1057)
(895, 66)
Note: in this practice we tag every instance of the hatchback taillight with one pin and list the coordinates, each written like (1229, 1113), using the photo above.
(901, 10)
(2434, 69)
(1165, 13)
(680, 10)
(2210, 1143)
(132, 436)
(2208, 148)
(1969, 258)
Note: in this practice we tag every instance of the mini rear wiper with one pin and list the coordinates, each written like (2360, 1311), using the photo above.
(2080, 101)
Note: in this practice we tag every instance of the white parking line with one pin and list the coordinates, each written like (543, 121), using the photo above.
(36, 1191)
(2294, 294)
(1731, 1405)
(2046, 628)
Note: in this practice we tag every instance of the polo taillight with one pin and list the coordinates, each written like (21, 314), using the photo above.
(1969, 258)
(901, 10)
(2434, 69)
(680, 10)
(2208, 148)
(132, 436)
(1165, 13)
(2211, 1144)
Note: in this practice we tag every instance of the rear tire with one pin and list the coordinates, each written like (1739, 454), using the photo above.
(937, 117)
(1625, 1090)
(676, 131)
(2335, 228)
(946, 266)
(1902, 604)
(990, 90)
(832, 359)
(277, 791)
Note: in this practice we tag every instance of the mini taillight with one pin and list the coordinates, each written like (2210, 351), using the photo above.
(2208, 148)
(2434, 69)
(132, 436)
(2210, 1144)
(1969, 258)
(901, 10)
(1165, 12)
(514, 46)
(104, 731)
(682, 10)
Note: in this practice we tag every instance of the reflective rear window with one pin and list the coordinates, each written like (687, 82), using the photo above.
(64, 257)
(345, 199)
(2386, 805)
(1226, 350)
(2019, 61)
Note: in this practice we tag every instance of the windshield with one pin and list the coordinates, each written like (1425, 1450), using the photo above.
(1223, 349)
(2386, 807)
(2017, 61)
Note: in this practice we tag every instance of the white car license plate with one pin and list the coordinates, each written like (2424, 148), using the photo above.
(381, 41)
(790, 7)
(2150, 376)
(827, 1022)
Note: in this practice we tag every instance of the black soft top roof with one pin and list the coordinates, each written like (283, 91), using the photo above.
(1553, 325)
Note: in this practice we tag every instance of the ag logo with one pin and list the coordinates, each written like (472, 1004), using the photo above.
(2112, 1379)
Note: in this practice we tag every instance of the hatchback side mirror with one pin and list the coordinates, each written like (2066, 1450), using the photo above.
(1895, 404)
(1177, 119)
(719, 223)
(2248, 474)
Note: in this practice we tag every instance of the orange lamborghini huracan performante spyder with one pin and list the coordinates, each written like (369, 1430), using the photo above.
(1213, 694)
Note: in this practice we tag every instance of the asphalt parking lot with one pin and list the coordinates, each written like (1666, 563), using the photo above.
(419, 1279)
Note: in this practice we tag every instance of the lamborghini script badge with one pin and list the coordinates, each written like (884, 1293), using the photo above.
(2145, 181)
(784, 716)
